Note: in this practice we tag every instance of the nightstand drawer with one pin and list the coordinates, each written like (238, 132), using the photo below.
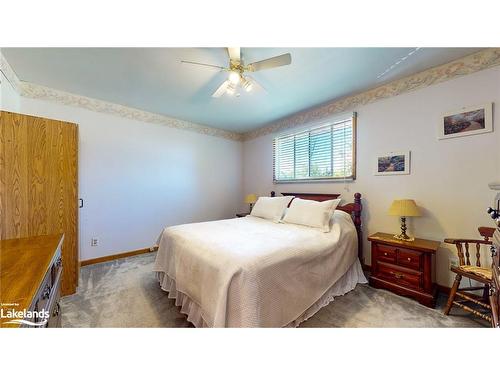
(386, 253)
(409, 258)
(398, 275)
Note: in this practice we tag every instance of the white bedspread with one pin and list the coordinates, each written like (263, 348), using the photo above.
(251, 272)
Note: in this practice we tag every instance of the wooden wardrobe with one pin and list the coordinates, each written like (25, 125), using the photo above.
(39, 184)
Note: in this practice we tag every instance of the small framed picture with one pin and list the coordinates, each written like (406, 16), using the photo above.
(393, 163)
(466, 121)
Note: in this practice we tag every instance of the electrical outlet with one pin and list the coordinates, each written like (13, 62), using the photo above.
(94, 242)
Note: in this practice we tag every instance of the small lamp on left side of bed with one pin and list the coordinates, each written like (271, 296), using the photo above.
(250, 199)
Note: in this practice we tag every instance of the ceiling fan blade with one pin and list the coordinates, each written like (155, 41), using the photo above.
(221, 90)
(234, 53)
(202, 64)
(273, 62)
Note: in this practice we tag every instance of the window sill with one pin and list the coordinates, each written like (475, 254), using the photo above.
(315, 180)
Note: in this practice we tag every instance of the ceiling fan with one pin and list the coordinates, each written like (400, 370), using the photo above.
(238, 71)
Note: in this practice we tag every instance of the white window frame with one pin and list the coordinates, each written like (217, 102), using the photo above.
(338, 119)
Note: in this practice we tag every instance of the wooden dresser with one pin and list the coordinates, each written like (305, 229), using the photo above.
(495, 285)
(403, 267)
(30, 281)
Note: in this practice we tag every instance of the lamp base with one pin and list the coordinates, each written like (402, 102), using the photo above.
(403, 236)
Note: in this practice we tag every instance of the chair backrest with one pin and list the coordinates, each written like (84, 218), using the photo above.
(463, 246)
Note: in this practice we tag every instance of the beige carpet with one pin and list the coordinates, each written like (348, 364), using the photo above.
(125, 293)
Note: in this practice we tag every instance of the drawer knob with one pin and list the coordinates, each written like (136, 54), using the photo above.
(57, 310)
(398, 275)
(409, 259)
(385, 254)
(46, 292)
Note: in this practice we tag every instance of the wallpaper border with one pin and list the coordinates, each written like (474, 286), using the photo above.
(481, 60)
(34, 91)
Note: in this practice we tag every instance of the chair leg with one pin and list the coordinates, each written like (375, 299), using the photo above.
(453, 291)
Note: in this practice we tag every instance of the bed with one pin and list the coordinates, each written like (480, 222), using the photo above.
(252, 272)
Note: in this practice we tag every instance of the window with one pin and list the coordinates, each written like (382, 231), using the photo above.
(326, 152)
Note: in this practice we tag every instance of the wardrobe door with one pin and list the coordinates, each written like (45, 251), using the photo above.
(39, 184)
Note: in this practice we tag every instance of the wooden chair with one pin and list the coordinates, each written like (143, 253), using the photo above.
(480, 274)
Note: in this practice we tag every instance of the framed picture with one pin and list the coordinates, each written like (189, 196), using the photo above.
(466, 121)
(393, 163)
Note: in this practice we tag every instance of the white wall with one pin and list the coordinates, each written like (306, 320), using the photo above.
(449, 178)
(136, 178)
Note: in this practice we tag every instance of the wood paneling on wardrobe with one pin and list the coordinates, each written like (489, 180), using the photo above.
(39, 184)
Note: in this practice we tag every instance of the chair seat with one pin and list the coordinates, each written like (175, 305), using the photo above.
(479, 271)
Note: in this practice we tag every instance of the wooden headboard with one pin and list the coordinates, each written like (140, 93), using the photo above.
(353, 209)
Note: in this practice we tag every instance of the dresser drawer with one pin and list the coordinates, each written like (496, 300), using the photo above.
(399, 275)
(386, 254)
(44, 293)
(409, 258)
(496, 238)
(48, 294)
(54, 306)
(496, 245)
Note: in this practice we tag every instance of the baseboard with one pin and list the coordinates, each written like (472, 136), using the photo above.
(107, 258)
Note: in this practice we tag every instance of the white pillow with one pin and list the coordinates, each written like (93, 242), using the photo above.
(311, 213)
(271, 208)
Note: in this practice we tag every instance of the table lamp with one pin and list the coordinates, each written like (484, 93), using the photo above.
(404, 208)
(251, 199)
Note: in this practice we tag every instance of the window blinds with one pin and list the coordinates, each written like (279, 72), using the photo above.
(323, 152)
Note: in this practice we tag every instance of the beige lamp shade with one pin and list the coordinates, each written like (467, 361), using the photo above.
(251, 198)
(404, 208)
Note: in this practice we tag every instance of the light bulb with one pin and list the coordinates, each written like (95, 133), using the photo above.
(231, 89)
(234, 77)
(247, 85)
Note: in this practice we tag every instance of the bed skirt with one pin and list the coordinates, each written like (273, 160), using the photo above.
(193, 311)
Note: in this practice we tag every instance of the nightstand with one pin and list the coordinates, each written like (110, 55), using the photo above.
(404, 267)
(243, 214)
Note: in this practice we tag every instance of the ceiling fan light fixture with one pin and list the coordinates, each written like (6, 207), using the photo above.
(234, 77)
(237, 69)
(231, 89)
(247, 85)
